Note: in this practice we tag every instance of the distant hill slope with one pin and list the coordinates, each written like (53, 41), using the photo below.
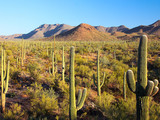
(46, 30)
(149, 29)
(84, 32)
(121, 28)
(10, 36)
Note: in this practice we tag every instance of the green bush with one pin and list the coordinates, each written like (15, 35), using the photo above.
(34, 70)
(43, 102)
(14, 113)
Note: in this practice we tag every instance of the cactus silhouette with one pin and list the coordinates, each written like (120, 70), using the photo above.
(143, 88)
(73, 107)
(98, 84)
(4, 79)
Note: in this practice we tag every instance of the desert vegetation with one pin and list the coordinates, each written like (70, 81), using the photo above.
(52, 80)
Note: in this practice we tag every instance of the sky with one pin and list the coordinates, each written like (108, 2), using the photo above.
(23, 16)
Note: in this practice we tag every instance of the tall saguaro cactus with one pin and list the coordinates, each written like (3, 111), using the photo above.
(143, 88)
(63, 65)
(73, 107)
(124, 86)
(22, 50)
(98, 84)
(4, 80)
(53, 68)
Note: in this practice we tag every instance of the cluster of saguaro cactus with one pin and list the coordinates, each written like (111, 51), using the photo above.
(73, 107)
(4, 79)
(63, 65)
(143, 88)
(98, 84)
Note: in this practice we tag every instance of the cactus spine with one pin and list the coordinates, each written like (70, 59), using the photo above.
(73, 107)
(98, 85)
(63, 65)
(143, 88)
(4, 79)
(124, 86)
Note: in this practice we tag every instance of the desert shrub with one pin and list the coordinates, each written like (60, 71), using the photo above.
(104, 61)
(15, 74)
(122, 110)
(43, 102)
(14, 113)
(154, 110)
(83, 71)
(64, 105)
(105, 101)
(34, 70)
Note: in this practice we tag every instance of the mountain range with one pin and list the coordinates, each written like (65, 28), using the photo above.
(85, 32)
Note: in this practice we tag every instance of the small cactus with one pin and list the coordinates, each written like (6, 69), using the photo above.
(73, 107)
(4, 80)
(143, 88)
(98, 84)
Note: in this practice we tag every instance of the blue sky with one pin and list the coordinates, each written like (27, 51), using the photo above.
(22, 16)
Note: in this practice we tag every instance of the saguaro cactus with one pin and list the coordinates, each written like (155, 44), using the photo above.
(143, 88)
(124, 86)
(98, 84)
(22, 54)
(73, 107)
(63, 65)
(53, 63)
(4, 80)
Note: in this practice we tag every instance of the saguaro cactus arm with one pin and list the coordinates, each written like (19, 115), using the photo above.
(155, 89)
(7, 78)
(149, 88)
(83, 97)
(104, 75)
(94, 80)
(131, 81)
(79, 96)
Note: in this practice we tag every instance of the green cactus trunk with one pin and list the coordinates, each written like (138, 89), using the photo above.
(22, 53)
(73, 107)
(124, 86)
(143, 88)
(4, 80)
(98, 84)
(47, 51)
(53, 73)
(142, 100)
(98, 77)
(63, 65)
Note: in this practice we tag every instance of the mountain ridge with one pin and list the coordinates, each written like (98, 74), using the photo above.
(48, 30)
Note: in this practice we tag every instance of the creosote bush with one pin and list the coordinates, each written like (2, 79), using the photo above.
(43, 101)
(15, 112)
